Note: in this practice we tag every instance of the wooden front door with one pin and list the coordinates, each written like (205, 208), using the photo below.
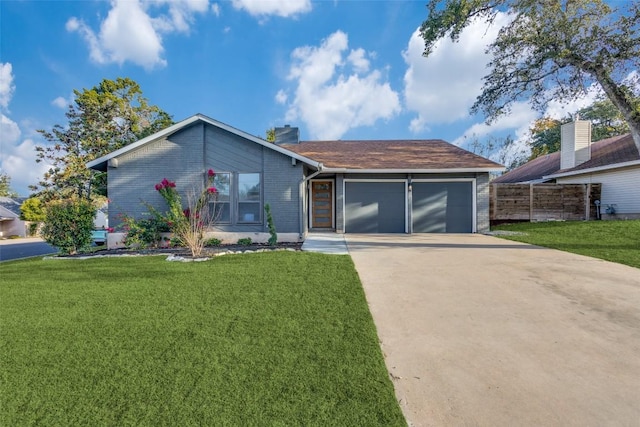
(322, 204)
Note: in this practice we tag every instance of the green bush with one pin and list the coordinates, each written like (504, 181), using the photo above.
(213, 242)
(144, 233)
(32, 210)
(33, 228)
(245, 241)
(68, 224)
(273, 240)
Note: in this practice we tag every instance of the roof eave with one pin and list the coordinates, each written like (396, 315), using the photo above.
(438, 170)
(592, 170)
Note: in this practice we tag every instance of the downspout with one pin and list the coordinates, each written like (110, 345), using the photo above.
(303, 193)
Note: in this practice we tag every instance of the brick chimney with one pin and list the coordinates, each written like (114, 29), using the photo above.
(575, 143)
(287, 135)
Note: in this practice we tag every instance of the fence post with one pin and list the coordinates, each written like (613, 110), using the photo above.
(530, 201)
(587, 202)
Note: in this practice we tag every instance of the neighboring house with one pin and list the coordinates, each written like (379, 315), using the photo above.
(344, 186)
(10, 222)
(613, 162)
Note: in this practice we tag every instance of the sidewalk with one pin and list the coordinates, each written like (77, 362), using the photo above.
(326, 243)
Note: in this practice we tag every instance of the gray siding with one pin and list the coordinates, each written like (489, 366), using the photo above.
(482, 202)
(282, 190)
(177, 158)
(185, 156)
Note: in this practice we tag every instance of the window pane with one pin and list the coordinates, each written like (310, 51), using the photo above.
(222, 211)
(222, 181)
(249, 212)
(249, 187)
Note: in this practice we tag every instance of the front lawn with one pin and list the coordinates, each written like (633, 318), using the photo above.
(275, 338)
(617, 241)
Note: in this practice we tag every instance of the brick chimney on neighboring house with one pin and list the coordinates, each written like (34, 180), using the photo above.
(575, 143)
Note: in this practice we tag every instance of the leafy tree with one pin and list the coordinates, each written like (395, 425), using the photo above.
(271, 135)
(5, 186)
(68, 224)
(606, 121)
(550, 49)
(101, 119)
(32, 210)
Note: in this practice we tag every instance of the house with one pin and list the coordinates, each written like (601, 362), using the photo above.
(409, 186)
(613, 162)
(10, 222)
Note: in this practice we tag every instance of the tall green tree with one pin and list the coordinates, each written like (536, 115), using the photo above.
(101, 119)
(606, 121)
(5, 186)
(550, 49)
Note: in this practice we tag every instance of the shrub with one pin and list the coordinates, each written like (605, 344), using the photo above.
(68, 224)
(32, 210)
(273, 240)
(213, 242)
(190, 224)
(245, 241)
(144, 233)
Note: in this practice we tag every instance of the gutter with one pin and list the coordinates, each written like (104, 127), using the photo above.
(593, 170)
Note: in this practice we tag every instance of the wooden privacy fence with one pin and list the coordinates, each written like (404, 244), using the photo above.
(543, 202)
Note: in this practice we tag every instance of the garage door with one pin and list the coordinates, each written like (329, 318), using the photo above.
(442, 207)
(375, 207)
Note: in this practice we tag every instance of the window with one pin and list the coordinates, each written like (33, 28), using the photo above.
(249, 198)
(222, 181)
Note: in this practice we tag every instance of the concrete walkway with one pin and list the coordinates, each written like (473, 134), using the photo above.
(326, 243)
(480, 331)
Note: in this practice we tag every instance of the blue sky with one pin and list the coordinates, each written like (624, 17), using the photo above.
(336, 69)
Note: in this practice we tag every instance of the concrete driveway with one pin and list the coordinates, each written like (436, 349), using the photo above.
(478, 330)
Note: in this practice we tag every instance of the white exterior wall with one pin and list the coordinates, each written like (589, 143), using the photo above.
(620, 187)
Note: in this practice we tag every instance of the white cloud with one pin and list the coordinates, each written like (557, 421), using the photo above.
(17, 159)
(60, 102)
(442, 88)
(6, 84)
(215, 8)
(335, 93)
(19, 163)
(9, 131)
(281, 97)
(358, 58)
(283, 8)
(130, 33)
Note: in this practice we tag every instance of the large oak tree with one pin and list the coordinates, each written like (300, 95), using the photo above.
(550, 49)
(101, 119)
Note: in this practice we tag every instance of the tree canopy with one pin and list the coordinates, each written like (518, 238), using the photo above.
(550, 50)
(5, 186)
(606, 121)
(101, 119)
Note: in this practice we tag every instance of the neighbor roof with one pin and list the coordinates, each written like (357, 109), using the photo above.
(12, 206)
(389, 155)
(605, 154)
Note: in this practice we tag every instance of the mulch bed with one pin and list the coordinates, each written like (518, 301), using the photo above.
(184, 252)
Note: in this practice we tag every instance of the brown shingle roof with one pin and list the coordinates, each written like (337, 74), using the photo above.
(610, 151)
(533, 170)
(391, 154)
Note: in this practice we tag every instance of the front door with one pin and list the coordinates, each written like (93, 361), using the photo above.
(321, 204)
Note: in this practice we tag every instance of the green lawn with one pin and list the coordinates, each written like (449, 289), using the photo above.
(617, 241)
(275, 338)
